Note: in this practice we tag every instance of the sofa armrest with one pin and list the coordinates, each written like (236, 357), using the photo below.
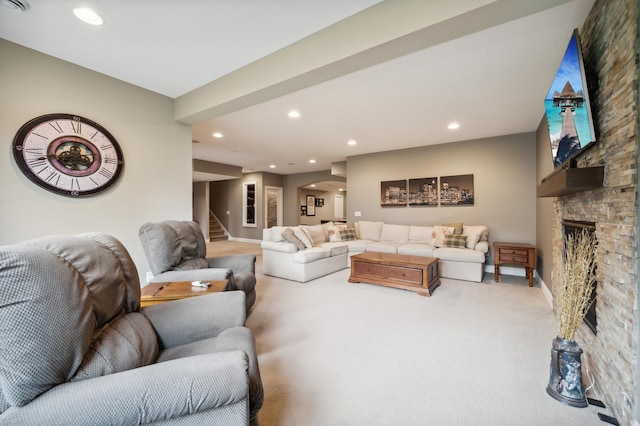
(482, 246)
(237, 262)
(154, 393)
(200, 317)
(206, 274)
(281, 246)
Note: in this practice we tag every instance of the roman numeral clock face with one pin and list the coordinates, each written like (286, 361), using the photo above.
(68, 154)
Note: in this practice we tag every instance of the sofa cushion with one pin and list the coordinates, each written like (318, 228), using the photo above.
(289, 236)
(338, 249)
(455, 241)
(416, 249)
(369, 230)
(395, 233)
(310, 255)
(384, 247)
(474, 234)
(358, 246)
(438, 234)
(275, 233)
(420, 234)
(459, 255)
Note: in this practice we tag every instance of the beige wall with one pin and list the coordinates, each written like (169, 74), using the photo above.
(544, 206)
(504, 172)
(156, 181)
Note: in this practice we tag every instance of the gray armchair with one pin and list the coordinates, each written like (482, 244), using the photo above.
(176, 251)
(76, 349)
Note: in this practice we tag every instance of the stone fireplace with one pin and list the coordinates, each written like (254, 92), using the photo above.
(610, 360)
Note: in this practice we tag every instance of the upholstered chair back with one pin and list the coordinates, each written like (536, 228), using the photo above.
(68, 311)
(173, 246)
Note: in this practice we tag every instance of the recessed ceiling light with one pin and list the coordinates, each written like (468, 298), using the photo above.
(272, 166)
(88, 16)
(312, 161)
(313, 185)
(217, 135)
(18, 5)
(293, 114)
(453, 126)
(351, 142)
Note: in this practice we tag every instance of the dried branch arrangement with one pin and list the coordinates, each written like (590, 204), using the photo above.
(577, 281)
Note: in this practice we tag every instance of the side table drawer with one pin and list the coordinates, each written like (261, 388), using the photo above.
(413, 276)
(514, 259)
(513, 252)
(364, 268)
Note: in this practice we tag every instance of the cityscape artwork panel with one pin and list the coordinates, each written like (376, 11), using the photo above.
(393, 193)
(423, 192)
(456, 190)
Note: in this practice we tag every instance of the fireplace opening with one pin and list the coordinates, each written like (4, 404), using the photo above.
(573, 227)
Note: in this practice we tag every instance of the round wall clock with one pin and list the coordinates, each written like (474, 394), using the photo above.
(68, 154)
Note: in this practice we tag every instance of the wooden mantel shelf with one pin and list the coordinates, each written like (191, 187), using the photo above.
(571, 180)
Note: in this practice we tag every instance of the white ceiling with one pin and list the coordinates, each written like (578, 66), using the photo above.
(492, 81)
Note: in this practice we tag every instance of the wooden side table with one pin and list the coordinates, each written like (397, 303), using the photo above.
(154, 293)
(514, 254)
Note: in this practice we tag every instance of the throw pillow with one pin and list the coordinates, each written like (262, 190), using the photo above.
(438, 234)
(455, 241)
(474, 234)
(334, 232)
(348, 235)
(456, 225)
(289, 236)
(302, 236)
(315, 234)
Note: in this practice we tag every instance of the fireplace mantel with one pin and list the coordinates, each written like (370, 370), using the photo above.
(571, 180)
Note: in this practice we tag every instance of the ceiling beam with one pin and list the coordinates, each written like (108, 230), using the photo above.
(386, 31)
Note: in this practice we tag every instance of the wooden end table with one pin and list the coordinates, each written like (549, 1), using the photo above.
(415, 273)
(154, 293)
(514, 254)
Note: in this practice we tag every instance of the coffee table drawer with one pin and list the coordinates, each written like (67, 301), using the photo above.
(368, 269)
(405, 274)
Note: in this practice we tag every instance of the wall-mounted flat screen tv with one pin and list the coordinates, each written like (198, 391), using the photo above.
(567, 107)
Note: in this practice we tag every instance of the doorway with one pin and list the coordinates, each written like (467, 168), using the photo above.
(338, 207)
(273, 206)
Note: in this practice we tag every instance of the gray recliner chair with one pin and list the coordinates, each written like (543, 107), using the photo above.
(76, 349)
(176, 251)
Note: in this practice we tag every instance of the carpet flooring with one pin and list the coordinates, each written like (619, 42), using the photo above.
(334, 353)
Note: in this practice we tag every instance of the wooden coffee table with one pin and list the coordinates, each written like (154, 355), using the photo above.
(154, 293)
(415, 273)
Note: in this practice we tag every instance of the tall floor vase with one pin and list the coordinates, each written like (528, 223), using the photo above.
(565, 378)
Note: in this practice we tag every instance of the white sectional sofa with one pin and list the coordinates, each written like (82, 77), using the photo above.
(304, 253)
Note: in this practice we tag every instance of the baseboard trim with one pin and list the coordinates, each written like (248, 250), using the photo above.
(245, 240)
(546, 291)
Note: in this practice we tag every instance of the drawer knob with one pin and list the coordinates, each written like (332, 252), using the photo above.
(403, 274)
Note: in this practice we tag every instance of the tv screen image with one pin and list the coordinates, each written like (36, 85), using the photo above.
(567, 107)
